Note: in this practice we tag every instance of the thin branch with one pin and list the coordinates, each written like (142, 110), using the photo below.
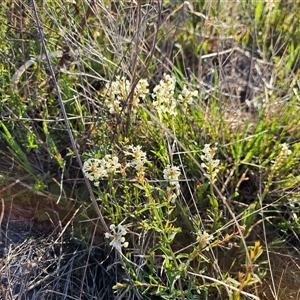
(72, 140)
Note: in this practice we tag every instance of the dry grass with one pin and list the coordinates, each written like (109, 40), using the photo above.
(52, 246)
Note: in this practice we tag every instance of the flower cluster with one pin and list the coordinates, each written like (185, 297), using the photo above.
(203, 238)
(116, 235)
(116, 93)
(172, 173)
(163, 94)
(284, 153)
(270, 4)
(187, 96)
(210, 164)
(95, 169)
(139, 158)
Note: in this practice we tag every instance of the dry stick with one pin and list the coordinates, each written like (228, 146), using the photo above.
(93, 198)
(66, 53)
(135, 80)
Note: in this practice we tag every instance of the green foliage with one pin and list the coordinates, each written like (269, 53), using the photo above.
(184, 176)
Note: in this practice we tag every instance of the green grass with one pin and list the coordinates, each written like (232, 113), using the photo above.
(215, 230)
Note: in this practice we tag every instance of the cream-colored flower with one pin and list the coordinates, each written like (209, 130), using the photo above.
(187, 96)
(117, 92)
(116, 235)
(284, 153)
(174, 198)
(270, 4)
(139, 157)
(203, 238)
(142, 88)
(112, 164)
(91, 168)
(209, 163)
(114, 106)
(172, 174)
(163, 94)
(96, 169)
(140, 92)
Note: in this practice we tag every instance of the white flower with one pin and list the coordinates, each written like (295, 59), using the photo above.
(141, 88)
(173, 198)
(203, 238)
(163, 94)
(91, 168)
(139, 157)
(116, 93)
(209, 163)
(270, 4)
(95, 169)
(285, 151)
(116, 235)
(112, 164)
(172, 174)
(114, 106)
(187, 96)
